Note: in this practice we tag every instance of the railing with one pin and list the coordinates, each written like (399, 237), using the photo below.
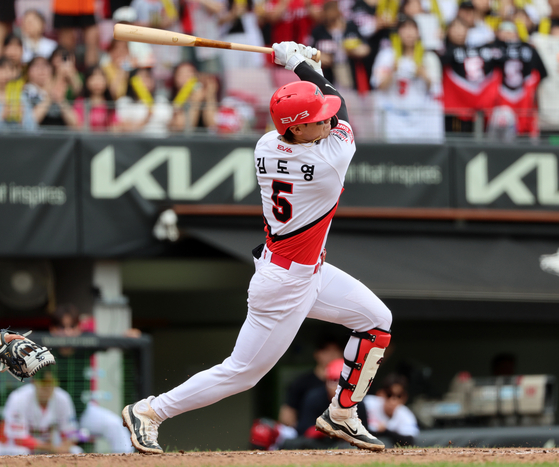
(370, 123)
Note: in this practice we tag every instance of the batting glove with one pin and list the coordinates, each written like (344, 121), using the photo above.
(287, 54)
(309, 53)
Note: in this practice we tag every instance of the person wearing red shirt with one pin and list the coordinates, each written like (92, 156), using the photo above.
(292, 20)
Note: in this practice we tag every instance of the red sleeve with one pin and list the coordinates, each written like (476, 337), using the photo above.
(27, 442)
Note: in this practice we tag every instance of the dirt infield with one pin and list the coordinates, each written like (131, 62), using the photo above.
(303, 458)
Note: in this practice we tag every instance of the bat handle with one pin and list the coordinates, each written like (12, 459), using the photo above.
(315, 57)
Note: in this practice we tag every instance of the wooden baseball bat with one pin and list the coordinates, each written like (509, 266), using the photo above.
(130, 33)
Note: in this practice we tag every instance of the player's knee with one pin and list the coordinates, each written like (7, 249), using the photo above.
(379, 316)
(247, 377)
(249, 382)
(383, 318)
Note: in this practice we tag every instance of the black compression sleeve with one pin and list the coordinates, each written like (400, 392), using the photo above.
(307, 73)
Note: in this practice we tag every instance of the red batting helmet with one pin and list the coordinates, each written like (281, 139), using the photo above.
(301, 102)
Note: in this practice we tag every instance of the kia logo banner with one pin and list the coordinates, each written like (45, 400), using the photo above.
(101, 195)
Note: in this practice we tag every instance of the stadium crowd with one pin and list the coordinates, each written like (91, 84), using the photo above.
(410, 69)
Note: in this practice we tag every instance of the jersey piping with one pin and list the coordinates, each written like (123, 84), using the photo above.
(303, 245)
(278, 238)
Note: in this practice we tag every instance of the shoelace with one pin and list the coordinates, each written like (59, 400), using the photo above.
(152, 430)
(354, 420)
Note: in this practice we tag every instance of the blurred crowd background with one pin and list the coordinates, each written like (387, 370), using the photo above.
(409, 69)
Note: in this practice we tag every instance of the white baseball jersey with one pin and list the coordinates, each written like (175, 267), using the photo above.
(24, 417)
(300, 185)
(403, 420)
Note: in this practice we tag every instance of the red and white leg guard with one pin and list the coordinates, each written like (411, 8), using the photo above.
(369, 356)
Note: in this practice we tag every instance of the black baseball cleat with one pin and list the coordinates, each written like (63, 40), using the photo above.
(143, 423)
(349, 429)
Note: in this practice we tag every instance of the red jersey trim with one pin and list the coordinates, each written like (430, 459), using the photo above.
(304, 245)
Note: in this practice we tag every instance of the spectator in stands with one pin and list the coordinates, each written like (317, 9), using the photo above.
(407, 88)
(343, 49)
(74, 368)
(524, 22)
(429, 24)
(95, 109)
(194, 97)
(200, 18)
(15, 111)
(550, 25)
(65, 74)
(117, 68)
(546, 42)
(34, 40)
(363, 14)
(386, 22)
(387, 415)
(13, 49)
(523, 70)
(141, 55)
(313, 406)
(71, 16)
(111, 6)
(239, 23)
(236, 113)
(40, 418)
(50, 107)
(470, 78)
(140, 110)
(477, 16)
(327, 349)
(7, 17)
(443, 9)
(163, 14)
(153, 14)
(292, 20)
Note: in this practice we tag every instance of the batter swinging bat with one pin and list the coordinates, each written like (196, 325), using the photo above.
(130, 33)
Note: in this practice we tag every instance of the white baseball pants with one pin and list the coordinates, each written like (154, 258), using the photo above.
(278, 302)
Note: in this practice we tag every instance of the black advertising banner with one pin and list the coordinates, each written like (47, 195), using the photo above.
(127, 181)
(398, 175)
(38, 211)
(101, 196)
(507, 177)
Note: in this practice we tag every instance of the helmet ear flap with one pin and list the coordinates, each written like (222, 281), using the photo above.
(334, 122)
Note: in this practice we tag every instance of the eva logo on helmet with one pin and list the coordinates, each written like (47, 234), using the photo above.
(301, 102)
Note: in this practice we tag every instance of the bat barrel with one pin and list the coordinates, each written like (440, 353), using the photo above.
(131, 33)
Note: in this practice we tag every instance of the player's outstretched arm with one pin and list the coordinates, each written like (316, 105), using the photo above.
(298, 58)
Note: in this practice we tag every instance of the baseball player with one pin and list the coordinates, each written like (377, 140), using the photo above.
(40, 417)
(300, 168)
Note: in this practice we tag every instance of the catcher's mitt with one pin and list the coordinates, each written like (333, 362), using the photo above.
(22, 357)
